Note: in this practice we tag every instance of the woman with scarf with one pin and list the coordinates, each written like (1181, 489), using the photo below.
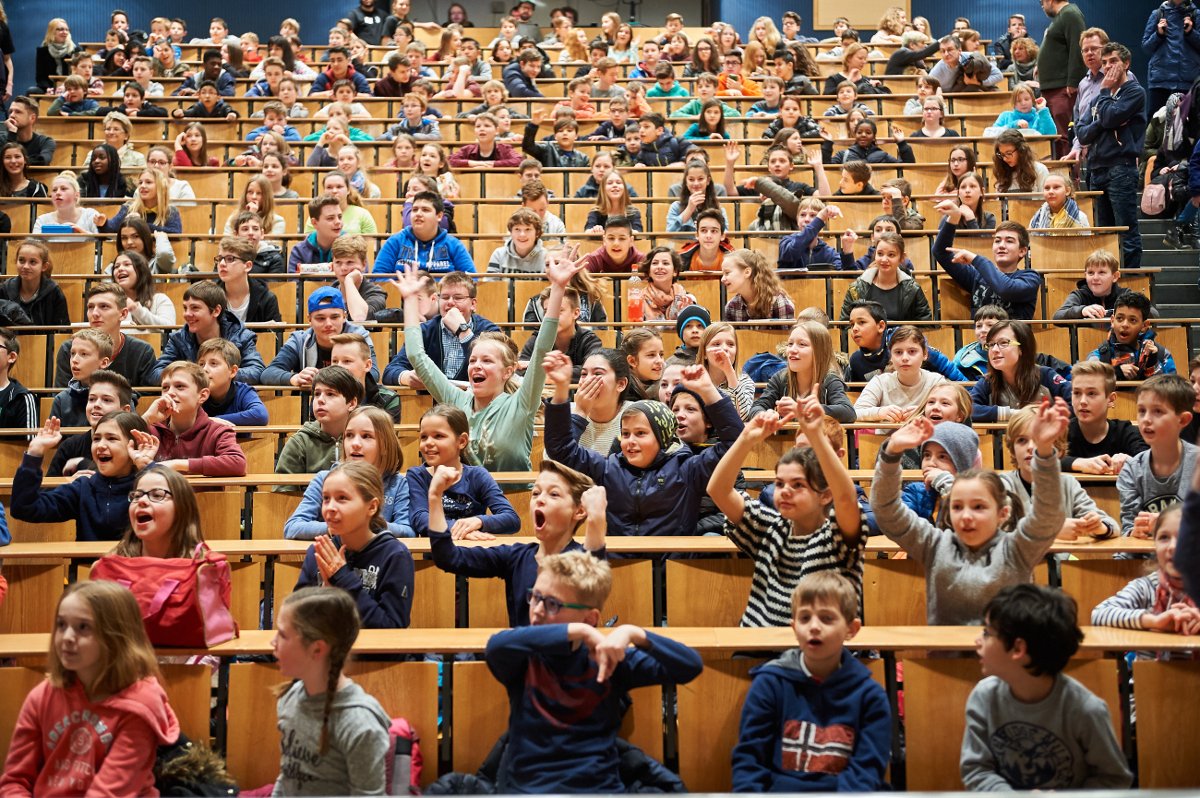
(55, 54)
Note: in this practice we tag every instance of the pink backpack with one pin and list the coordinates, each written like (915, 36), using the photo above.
(403, 760)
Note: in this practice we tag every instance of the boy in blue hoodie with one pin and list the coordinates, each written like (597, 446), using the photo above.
(870, 331)
(659, 148)
(568, 684)
(1130, 347)
(228, 400)
(424, 242)
(814, 719)
(805, 248)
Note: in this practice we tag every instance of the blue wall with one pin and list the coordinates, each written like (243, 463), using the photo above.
(1122, 22)
(89, 20)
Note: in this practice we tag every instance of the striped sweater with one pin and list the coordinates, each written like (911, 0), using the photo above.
(782, 558)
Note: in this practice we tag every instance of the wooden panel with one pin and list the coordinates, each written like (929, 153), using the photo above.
(708, 710)
(1091, 581)
(1166, 757)
(221, 513)
(632, 596)
(433, 597)
(407, 689)
(270, 511)
(707, 592)
(246, 593)
(15, 684)
(487, 605)
(893, 593)
(189, 689)
(33, 593)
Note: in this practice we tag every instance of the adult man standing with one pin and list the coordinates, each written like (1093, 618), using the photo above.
(1173, 42)
(1060, 65)
(1114, 132)
(1091, 43)
(368, 21)
(948, 70)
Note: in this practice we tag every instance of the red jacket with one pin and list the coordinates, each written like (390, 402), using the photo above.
(210, 447)
(64, 744)
(505, 156)
(601, 261)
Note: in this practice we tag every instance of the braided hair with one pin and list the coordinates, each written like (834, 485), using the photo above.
(328, 614)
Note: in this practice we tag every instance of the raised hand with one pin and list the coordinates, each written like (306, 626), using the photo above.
(410, 282)
(1053, 418)
(443, 477)
(48, 437)
(560, 272)
(848, 239)
(962, 256)
(557, 367)
(764, 425)
(910, 436)
(696, 378)
(142, 447)
(594, 501)
(830, 212)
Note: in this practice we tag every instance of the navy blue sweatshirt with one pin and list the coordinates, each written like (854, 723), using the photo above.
(556, 706)
(98, 505)
(801, 734)
(985, 409)
(1115, 130)
(379, 577)
(515, 563)
(1017, 292)
(241, 406)
(475, 493)
(663, 499)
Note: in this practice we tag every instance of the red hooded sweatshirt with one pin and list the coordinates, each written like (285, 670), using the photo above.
(66, 745)
(210, 447)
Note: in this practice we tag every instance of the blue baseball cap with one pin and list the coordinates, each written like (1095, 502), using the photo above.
(327, 298)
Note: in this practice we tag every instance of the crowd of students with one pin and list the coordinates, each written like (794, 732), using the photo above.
(646, 442)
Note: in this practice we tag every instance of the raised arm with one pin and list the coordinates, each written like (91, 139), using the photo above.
(721, 485)
(845, 498)
(435, 381)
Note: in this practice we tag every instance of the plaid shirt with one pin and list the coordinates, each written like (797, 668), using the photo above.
(736, 308)
(452, 351)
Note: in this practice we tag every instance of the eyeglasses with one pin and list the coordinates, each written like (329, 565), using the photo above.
(552, 605)
(958, 159)
(1001, 345)
(986, 633)
(230, 259)
(158, 496)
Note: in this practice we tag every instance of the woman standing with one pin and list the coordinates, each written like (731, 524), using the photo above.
(53, 57)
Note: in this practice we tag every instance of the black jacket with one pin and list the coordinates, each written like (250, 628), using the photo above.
(263, 305)
(48, 308)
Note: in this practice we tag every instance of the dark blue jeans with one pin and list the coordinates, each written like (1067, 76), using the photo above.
(1118, 207)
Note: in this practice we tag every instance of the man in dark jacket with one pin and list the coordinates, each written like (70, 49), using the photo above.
(204, 317)
(367, 21)
(1002, 47)
(1114, 132)
(518, 77)
(22, 117)
(1173, 42)
(448, 336)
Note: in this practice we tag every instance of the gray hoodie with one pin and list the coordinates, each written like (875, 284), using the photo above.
(1076, 501)
(353, 764)
(505, 260)
(960, 581)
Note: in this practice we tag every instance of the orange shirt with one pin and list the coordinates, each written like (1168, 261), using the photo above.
(748, 87)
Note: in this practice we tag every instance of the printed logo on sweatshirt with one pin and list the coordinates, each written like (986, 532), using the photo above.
(80, 721)
(1031, 757)
(809, 748)
(564, 700)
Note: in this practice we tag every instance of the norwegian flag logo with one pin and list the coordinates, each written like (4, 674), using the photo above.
(810, 748)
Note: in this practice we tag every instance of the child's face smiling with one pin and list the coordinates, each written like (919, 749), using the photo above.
(662, 271)
(647, 364)
(974, 513)
(638, 443)
(940, 406)
(1099, 279)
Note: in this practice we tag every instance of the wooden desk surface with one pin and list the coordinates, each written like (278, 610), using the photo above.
(709, 641)
(691, 544)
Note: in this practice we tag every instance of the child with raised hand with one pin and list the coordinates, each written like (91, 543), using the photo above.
(643, 348)
(966, 567)
(817, 686)
(356, 554)
(754, 288)
(562, 499)
(1014, 378)
(335, 734)
(444, 440)
(799, 536)
(562, 653)
(1156, 601)
(95, 724)
(718, 352)
(893, 394)
(805, 248)
(501, 414)
(98, 503)
(810, 362)
(886, 282)
(652, 465)
(1084, 518)
(370, 437)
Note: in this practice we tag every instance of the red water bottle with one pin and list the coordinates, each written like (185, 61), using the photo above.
(634, 307)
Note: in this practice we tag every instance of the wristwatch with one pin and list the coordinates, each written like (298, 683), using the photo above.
(462, 328)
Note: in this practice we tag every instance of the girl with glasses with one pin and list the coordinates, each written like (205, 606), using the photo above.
(1014, 379)
(164, 518)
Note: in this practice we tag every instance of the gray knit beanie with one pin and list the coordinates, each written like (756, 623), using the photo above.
(960, 442)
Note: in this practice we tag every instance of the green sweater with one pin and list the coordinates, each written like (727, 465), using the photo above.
(693, 109)
(502, 432)
(1060, 61)
(307, 451)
